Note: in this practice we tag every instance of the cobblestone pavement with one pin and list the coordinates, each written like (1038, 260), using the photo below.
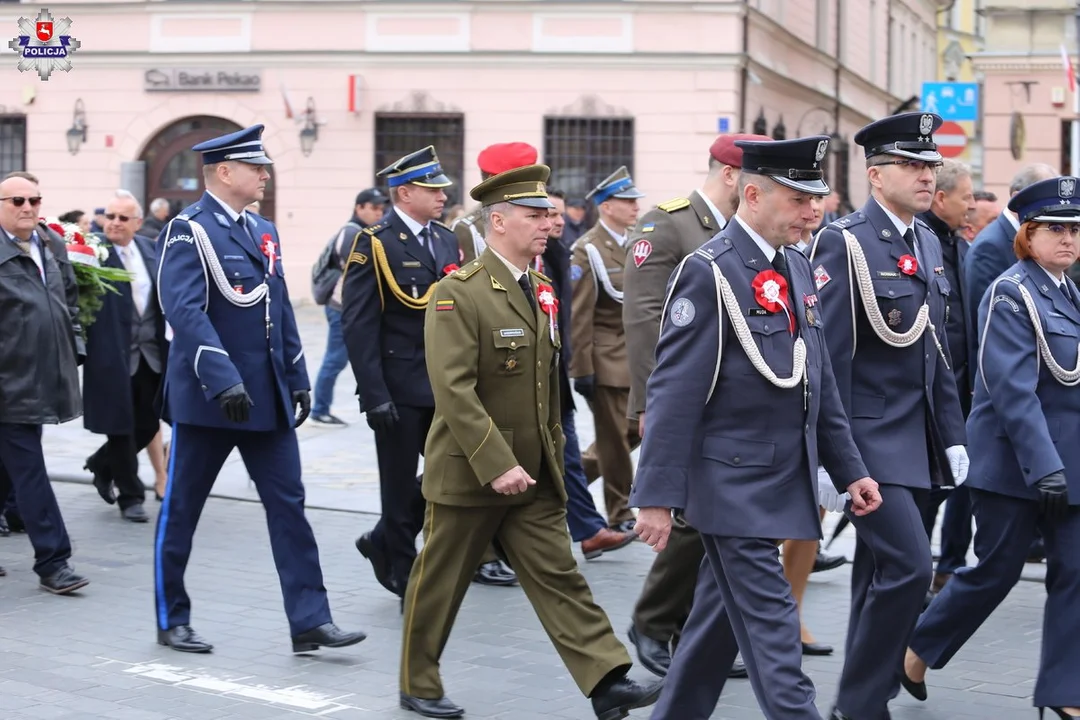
(94, 655)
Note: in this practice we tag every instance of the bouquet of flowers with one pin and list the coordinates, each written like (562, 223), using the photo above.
(87, 253)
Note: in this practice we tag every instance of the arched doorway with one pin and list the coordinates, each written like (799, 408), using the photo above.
(174, 170)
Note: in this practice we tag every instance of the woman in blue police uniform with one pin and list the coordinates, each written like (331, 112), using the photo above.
(234, 379)
(1025, 461)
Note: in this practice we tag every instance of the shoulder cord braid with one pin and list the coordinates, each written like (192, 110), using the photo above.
(382, 267)
(1068, 378)
(600, 272)
(857, 265)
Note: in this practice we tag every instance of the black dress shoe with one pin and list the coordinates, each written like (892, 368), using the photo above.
(495, 573)
(135, 513)
(655, 656)
(369, 549)
(3, 572)
(326, 635)
(916, 690)
(440, 708)
(184, 639)
(102, 484)
(614, 700)
(825, 562)
(63, 581)
(816, 648)
(14, 521)
(738, 670)
(1037, 551)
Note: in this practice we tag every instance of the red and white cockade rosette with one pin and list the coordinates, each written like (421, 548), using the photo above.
(549, 304)
(771, 293)
(908, 264)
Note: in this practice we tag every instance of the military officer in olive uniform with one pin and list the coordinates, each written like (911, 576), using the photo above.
(659, 242)
(493, 159)
(390, 275)
(885, 331)
(494, 460)
(598, 365)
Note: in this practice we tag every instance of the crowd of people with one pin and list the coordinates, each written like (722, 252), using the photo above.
(773, 360)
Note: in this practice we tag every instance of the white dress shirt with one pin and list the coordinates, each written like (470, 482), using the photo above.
(514, 269)
(768, 250)
(621, 239)
(721, 221)
(134, 263)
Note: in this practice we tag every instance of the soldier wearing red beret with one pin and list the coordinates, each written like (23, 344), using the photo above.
(493, 160)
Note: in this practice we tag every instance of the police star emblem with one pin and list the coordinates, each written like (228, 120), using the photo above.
(44, 44)
(894, 317)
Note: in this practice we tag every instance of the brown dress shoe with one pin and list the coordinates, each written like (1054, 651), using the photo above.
(605, 541)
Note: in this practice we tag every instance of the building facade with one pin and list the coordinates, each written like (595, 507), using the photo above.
(1027, 108)
(961, 35)
(346, 87)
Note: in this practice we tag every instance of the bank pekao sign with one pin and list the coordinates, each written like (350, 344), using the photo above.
(201, 80)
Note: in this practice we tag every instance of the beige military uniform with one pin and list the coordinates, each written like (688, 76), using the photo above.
(660, 241)
(470, 235)
(494, 374)
(599, 349)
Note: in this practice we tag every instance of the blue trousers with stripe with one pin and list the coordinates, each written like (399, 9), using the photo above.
(272, 460)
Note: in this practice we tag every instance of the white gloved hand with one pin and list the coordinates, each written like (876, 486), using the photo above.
(828, 496)
(958, 463)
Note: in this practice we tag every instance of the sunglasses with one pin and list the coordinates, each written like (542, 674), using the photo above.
(113, 216)
(20, 201)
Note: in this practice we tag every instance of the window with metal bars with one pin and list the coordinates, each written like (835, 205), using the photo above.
(582, 151)
(12, 143)
(399, 134)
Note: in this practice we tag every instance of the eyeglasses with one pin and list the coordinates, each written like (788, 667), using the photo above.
(917, 165)
(113, 216)
(1061, 228)
(20, 201)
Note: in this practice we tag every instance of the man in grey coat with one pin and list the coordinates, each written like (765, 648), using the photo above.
(39, 381)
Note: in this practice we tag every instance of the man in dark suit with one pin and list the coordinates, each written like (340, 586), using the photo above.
(898, 391)
(390, 274)
(738, 408)
(125, 359)
(235, 379)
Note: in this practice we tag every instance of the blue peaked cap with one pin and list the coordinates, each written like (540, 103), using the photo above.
(1051, 200)
(243, 145)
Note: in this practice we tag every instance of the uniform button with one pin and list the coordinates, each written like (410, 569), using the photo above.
(540, 406)
(271, 324)
(766, 326)
(737, 460)
(539, 385)
(891, 293)
(513, 344)
(537, 363)
(236, 274)
(204, 387)
(806, 428)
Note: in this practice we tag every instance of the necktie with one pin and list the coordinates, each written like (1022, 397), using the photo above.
(526, 287)
(425, 240)
(1068, 294)
(909, 238)
(779, 263)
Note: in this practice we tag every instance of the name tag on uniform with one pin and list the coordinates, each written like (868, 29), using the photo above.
(887, 274)
(232, 257)
(512, 332)
(754, 312)
(614, 269)
(411, 263)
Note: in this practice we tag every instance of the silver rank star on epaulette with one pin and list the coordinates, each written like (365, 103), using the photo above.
(182, 216)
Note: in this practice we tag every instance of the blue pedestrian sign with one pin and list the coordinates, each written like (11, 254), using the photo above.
(954, 101)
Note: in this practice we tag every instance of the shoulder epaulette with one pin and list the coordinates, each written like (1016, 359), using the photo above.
(855, 218)
(920, 221)
(444, 226)
(540, 275)
(468, 271)
(372, 229)
(674, 204)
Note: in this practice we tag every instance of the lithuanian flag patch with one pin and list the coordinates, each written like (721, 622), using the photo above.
(441, 305)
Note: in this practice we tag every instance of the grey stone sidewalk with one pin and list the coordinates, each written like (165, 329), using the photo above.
(94, 656)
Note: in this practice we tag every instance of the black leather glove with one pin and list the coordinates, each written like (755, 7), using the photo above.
(236, 403)
(1053, 496)
(586, 386)
(382, 418)
(303, 399)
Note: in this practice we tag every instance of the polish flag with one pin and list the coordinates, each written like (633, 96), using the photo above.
(1070, 71)
(289, 114)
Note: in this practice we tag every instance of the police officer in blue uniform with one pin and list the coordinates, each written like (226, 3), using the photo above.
(235, 377)
(390, 275)
(884, 293)
(741, 402)
(1025, 461)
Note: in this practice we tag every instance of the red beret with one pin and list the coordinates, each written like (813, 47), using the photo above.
(725, 151)
(499, 158)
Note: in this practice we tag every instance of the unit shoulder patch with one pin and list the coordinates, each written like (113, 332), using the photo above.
(674, 204)
(468, 271)
(358, 258)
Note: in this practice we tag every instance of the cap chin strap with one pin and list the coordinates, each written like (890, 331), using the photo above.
(857, 265)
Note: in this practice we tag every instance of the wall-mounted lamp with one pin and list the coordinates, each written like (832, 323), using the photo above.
(310, 132)
(76, 134)
(761, 125)
(779, 131)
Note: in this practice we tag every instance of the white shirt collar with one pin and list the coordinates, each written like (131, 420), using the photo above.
(897, 222)
(768, 250)
(1012, 218)
(232, 213)
(1056, 280)
(514, 269)
(621, 239)
(414, 227)
(718, 216)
